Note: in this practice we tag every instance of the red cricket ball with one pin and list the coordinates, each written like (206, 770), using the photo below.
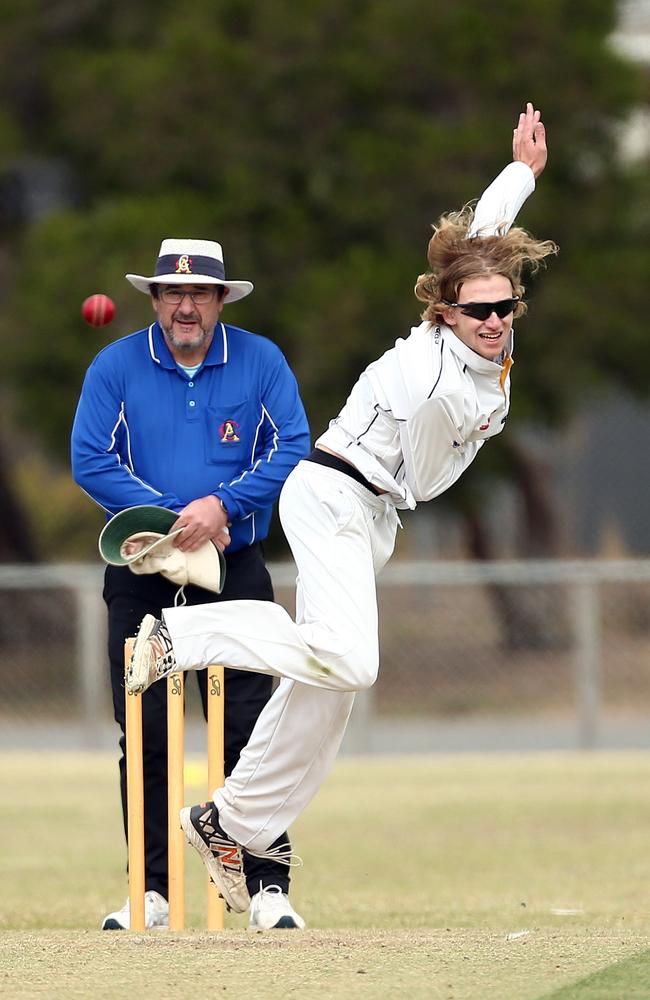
(98, 310)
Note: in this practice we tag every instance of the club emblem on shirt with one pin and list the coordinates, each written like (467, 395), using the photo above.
(184, 264)
(228, 432)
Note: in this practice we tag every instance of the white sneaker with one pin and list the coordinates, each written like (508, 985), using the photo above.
(152, 656)
(270, 908)
(156, 914)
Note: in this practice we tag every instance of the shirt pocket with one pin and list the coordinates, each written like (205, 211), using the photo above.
(228, 438)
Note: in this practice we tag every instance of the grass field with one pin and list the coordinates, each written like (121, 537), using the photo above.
(447, 877)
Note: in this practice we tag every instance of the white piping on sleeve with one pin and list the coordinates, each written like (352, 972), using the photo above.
(128, 439)
(136, 479)
(251, 517)
(272, 450)
(257, 434)
(114, 429)
(276, 434)
(128, 465)
(141, 482)
(246, 472)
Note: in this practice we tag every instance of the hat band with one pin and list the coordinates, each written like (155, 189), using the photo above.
(186, 264)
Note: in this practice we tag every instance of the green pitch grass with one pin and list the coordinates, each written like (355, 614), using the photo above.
(445, 878)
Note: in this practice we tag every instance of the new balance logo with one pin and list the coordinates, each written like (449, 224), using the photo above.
(229, 854)
(225, 851)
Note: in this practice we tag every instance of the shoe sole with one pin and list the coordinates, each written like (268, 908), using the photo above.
(137, 675)
(115, 925)
(284, 923)
(234, 901)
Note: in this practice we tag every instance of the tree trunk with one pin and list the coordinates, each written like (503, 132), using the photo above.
(532, 617)
(17, 542)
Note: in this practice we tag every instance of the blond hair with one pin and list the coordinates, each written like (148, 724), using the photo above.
(454, 257)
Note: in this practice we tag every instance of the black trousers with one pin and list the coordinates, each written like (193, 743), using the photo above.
(129, 598)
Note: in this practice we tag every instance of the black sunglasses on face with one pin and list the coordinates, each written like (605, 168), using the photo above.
(483, 310)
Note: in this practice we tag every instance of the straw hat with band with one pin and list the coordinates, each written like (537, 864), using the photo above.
(191, 262)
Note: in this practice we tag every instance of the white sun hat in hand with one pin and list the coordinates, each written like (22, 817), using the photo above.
(142, 538)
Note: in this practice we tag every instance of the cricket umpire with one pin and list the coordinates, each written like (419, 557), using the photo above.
(205, 419)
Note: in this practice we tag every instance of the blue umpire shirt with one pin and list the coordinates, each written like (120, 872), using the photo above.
(147, 433)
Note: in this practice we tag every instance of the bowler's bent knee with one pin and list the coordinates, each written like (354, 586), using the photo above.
(357, 670)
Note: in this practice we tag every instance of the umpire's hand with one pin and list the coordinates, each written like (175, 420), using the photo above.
(201, 520)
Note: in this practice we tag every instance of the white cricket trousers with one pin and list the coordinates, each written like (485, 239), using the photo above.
(340, 535)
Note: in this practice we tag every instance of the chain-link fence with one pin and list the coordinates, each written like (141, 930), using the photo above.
(473, 656)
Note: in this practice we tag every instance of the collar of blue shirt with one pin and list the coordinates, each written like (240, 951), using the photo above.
(217, 351)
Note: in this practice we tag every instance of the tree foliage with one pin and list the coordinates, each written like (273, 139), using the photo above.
(318, 143)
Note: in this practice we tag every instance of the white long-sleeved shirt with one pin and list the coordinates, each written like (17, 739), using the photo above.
(417, 416)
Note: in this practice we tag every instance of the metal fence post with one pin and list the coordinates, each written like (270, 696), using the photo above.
(587, 662)
(358, 735)
(91, 656)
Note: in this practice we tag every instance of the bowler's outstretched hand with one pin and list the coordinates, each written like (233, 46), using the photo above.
(529, 140)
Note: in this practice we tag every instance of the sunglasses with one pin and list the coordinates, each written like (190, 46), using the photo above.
(483, 310)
